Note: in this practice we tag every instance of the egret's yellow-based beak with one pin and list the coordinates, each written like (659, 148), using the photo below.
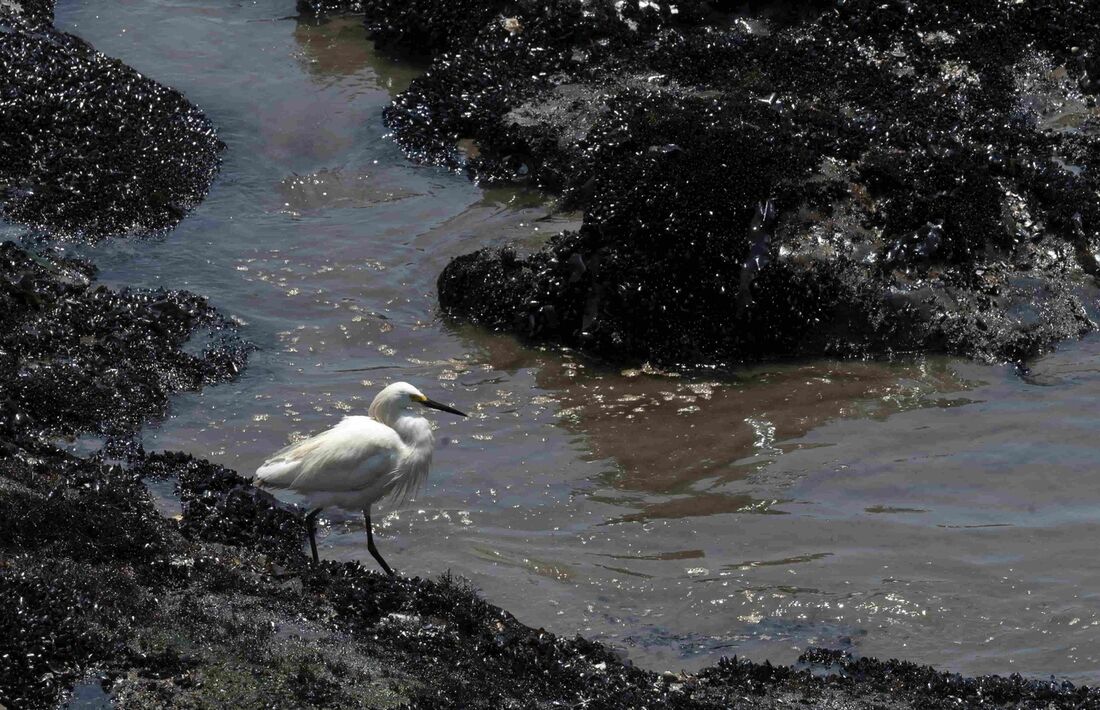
(441, 407)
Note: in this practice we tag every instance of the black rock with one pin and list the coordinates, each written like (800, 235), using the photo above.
(922, 160)
(68, 347)
(89, 147)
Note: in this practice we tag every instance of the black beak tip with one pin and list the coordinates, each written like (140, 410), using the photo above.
(442, 407)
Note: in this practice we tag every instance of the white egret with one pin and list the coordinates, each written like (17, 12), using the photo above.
(360, 460)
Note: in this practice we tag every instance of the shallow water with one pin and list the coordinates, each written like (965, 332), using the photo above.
(935, 510)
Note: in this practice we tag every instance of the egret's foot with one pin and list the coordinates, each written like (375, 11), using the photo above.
(378, 555)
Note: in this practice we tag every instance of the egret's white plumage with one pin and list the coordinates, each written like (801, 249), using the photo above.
(353, 464)
(362, 459)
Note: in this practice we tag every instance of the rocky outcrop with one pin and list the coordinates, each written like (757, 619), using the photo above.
(851, 178)
(69, 347)
(88, 146)
(34, 12)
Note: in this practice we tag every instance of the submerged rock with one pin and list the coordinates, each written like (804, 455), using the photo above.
(844, 178)
(88, 146)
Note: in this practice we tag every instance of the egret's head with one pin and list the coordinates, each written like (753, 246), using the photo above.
(401, 396)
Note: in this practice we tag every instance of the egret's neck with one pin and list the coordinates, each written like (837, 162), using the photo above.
(385, 411)
(416, 432)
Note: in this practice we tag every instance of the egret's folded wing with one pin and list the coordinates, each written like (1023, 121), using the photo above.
(347, 457)
(282, 468)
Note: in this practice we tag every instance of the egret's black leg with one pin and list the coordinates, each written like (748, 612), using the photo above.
(311, 527)
(370, 545)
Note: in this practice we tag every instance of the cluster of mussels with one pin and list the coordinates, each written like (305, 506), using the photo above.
(77, 128)
(869, 176)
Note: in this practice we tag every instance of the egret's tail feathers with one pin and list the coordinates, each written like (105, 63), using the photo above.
(285, 465)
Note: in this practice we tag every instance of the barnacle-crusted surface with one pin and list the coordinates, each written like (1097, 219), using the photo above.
(88, 146)
(837, 178)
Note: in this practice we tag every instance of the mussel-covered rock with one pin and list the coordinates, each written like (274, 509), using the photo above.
(88, 146)
(69, 347)
(842, 178)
